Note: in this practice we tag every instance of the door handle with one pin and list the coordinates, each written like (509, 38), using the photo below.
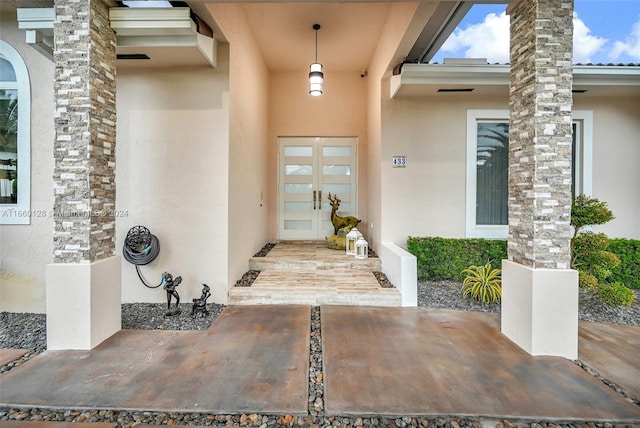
(314, 199)
(320, 200)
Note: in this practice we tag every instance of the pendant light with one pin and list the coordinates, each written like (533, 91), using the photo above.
(316, 77)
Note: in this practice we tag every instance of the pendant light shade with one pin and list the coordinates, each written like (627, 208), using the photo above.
(316, 76)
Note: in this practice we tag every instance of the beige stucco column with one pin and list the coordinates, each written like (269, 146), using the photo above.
(83, 283)
(540, 291)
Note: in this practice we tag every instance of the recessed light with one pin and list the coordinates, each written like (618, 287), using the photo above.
(132, 56)
(455, 90)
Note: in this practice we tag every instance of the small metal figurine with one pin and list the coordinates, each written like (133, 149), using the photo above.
(169, 286)
(199, 308)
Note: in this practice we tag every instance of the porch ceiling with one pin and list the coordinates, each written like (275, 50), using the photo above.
(346, 40)
(349, 34)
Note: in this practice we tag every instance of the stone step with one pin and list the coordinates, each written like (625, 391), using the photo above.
(291, 255)
(349, 262)
(244, 296)
(320, 287)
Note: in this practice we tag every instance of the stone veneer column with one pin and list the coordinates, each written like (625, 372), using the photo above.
(540, 292)
(83, 283)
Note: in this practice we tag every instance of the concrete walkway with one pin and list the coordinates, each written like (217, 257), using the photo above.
(383, 361)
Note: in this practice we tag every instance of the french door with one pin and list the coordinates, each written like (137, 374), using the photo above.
(309, 169)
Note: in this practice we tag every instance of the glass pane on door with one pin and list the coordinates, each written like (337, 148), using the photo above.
(336, 170)
(310, 168)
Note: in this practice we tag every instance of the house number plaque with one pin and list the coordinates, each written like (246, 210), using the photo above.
(399, 161)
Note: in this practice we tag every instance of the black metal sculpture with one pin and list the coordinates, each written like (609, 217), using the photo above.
(169, 286)
(199, 308)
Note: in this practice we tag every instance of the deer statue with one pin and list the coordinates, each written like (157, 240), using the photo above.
(340, 222)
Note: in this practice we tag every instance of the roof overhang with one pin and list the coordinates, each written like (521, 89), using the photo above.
(157, 32)
(477, 78)
(165, 36)
(38, 26)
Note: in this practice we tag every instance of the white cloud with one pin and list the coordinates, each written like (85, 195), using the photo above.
(631, 46)
(488, 39)
(585, 45)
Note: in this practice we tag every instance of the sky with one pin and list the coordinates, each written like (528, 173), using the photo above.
(605, 31)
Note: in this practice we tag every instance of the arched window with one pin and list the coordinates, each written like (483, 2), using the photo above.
(15, 138)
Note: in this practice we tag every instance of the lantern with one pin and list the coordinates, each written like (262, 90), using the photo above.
(352, 238)
(362, 248)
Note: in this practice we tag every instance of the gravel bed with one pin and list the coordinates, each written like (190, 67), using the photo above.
(151, 316)
(265, 250)
(448, 295)
(247, 279)
(316, 376)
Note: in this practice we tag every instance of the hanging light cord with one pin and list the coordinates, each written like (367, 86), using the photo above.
(316, 27)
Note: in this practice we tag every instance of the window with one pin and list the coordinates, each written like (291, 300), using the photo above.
(15, 149)
(488, 165)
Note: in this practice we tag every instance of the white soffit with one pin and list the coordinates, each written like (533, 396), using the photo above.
(151, 21)
(488, 79)
(152, 28)
(137, 30)
(38, 26)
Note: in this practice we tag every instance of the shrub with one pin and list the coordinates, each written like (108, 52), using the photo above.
(587, 281)
(590, 255)
(628, 272)
(446, 258)
(482, 283)
(615, 294)
(587, 211)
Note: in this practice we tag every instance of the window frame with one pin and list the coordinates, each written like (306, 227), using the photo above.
(584, 160)
(19, 213)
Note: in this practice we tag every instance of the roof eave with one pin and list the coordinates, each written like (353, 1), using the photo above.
(499, 74)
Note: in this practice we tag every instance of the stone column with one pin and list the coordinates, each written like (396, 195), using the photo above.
(83, 283)
(540, 291)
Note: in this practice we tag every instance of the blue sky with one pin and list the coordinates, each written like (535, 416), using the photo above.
(605, 31)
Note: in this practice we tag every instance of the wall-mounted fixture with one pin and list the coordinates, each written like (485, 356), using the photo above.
(316, 77)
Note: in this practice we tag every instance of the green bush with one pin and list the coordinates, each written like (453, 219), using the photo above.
(482, 283)
(446, 258)
(586, 211)
(615, 294)
(587, 281)
(590, 255)
(628, 271)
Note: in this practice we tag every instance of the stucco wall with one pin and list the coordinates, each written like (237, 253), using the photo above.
(427, 198)
(172, 175)
(247, 168)
(400, 28)
(339, 112)
(26, 249)
(616, 156)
